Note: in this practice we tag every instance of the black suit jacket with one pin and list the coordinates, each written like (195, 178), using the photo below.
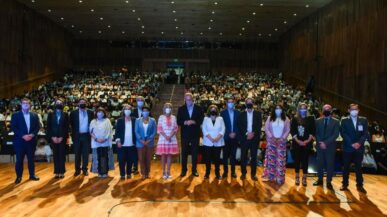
(352, 135)
(120, 130)
(19, 127)
(257, 125)
(193, 131)
(74, 122)
(54, 129)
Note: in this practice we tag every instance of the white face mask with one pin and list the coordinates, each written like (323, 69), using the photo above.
(168, 110)
(127, 112)
(354, 113)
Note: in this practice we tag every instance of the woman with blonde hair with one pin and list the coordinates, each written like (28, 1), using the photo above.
(167, 144)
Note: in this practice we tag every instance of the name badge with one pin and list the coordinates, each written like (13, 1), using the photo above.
(360, 128)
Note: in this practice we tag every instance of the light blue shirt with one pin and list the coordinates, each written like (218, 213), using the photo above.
(83, 122)
(231, 114)
(28, 120)
(190, 110)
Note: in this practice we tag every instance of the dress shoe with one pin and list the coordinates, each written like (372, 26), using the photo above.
(224, 175)
(18, 180)
(182, 174)
(344, 188)
(218, 177)
(318, 183)
(361, 189)
(206, 177)
(85, 173)
(233, 175)
(34, 178)
(129, 176)
(56, 176)
(61, 176)
(135, 171)
(254, 178)
(330, 186)
(77, 173)
(196, 174)
(122, 177)
(243, 177)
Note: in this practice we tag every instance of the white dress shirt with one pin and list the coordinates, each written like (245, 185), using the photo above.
(213, 130)
(354, 121)
(278, 127)
(27, 117)
(83, 121)
(250, 121)
(128, 134)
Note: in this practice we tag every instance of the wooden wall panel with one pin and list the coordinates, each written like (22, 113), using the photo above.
(344, 45)
(33, 49)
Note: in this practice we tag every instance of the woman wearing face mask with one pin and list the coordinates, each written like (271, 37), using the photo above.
(302, 129)
(126, 142)
(277, 129)
(167, 144)
(101, 132)
(145, 134)
(213, 129)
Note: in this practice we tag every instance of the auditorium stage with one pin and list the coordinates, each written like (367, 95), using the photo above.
(91, 196)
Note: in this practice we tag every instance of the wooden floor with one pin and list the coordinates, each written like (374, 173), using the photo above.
(91, 196)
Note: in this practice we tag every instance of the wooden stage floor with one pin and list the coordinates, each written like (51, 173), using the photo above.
(91, 196)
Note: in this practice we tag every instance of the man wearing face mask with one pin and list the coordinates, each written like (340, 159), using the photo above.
(189, 118)
(125, 138)
(327, 131)
(230, 116)
(354, 130)
(25, 125)
(249, 125)
(57, 134)
(80, 121)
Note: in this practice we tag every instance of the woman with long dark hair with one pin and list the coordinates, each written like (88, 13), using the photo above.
(277, 129)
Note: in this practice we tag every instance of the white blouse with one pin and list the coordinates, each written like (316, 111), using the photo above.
(102, 129)
(278, 127)
(213, 130)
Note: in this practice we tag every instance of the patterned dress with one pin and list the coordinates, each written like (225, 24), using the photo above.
(168, 125)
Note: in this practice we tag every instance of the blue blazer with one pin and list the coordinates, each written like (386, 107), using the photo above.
(150, 134)
(19, 127)
(226, 118)
(352, 135)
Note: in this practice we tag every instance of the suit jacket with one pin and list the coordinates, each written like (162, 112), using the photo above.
(331, 134)
(120, 130)
(19, 127)
(74, 123)
(55, 129)
(213, 130)
(226, 118)
(352, 135)
(257, 125)
(149, 135)
(193, 131)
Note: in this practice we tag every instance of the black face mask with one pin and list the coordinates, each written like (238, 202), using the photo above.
(82, 106)
(249, 105)
(213, 113)
(59, 106)
(327, 113)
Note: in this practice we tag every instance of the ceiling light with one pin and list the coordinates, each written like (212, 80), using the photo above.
(99, 31)
(72, 26)
(307, 6)
(213, 12)
(211, 20)
(181, 33)
(259, 34)
(62, 18)
(294, 14)
(142, 27)
(247, 21)
(108, 26)
(285, 22)
(80, 1)
(172, 2)
(80, 31)
(175, 20)
(177, 27)
(220, 33)
(123, 32)
(209, 28)
(138, 18)
(261, 4)
(275, 29)
(240, 34)
(133, 10)
(101, 18)
(243, 28)
(173, 11)
(201, 33)
(126, 2)
(142, 32)
(91, 10)
(215, 3)
(49, 10)
(254, 13)
(269, 35)
(162, 33)
(33, 1)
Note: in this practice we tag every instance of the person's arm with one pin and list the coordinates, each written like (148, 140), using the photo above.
(180, 120)
(153, 135)
(118, 132)
(49, 128)
(269, 136)
(222, 129)
(36, 125)
(205, 130)
(200, 117)
(160, 129)
(257, 130)
(293, 128)
(335, 134)
(344, 131)
(66, 126)
(365, 134)
(285, 134)
(137, 130)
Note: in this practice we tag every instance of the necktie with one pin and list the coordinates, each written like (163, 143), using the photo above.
(325, 125)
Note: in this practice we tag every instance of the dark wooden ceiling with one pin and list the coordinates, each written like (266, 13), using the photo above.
(176, 19)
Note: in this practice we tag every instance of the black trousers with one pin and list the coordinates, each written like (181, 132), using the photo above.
(59, 151)
(82, 151)
(22, 150)
(212, 155)
(355, 157)
(252, 146)
(189, 146)
(326, 159)
(103, 163)
(229, 152)
(301, 158)
(126, 156)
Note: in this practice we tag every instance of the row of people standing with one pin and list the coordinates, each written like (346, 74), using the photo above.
(226, 129)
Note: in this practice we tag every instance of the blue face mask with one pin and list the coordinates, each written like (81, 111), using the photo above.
(145, 114)
(278, 112)
(230, 105)
(100, 115)
(302, 112)
(140, 104)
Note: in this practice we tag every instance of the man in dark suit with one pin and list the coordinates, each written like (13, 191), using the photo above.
(230, 117)
(125, 138)
(249, 126)
(354, 130)
(25, 125)
(327, 131)
(189, 118)
(57, 134)
(80, 120)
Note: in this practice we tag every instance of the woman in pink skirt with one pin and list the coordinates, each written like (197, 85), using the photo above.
(167, 144)
(277, 129)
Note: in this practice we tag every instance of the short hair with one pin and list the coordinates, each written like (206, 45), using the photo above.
(145, 107)
(249, 98)
(353, 104)
(188, 94)
(211, 107)
(25, 99)
(140, 97)
(230, 97)
(80, 99)
(100, 109)
(126, 105)
(167, 104)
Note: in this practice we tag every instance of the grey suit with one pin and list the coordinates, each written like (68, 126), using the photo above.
(328, 136)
